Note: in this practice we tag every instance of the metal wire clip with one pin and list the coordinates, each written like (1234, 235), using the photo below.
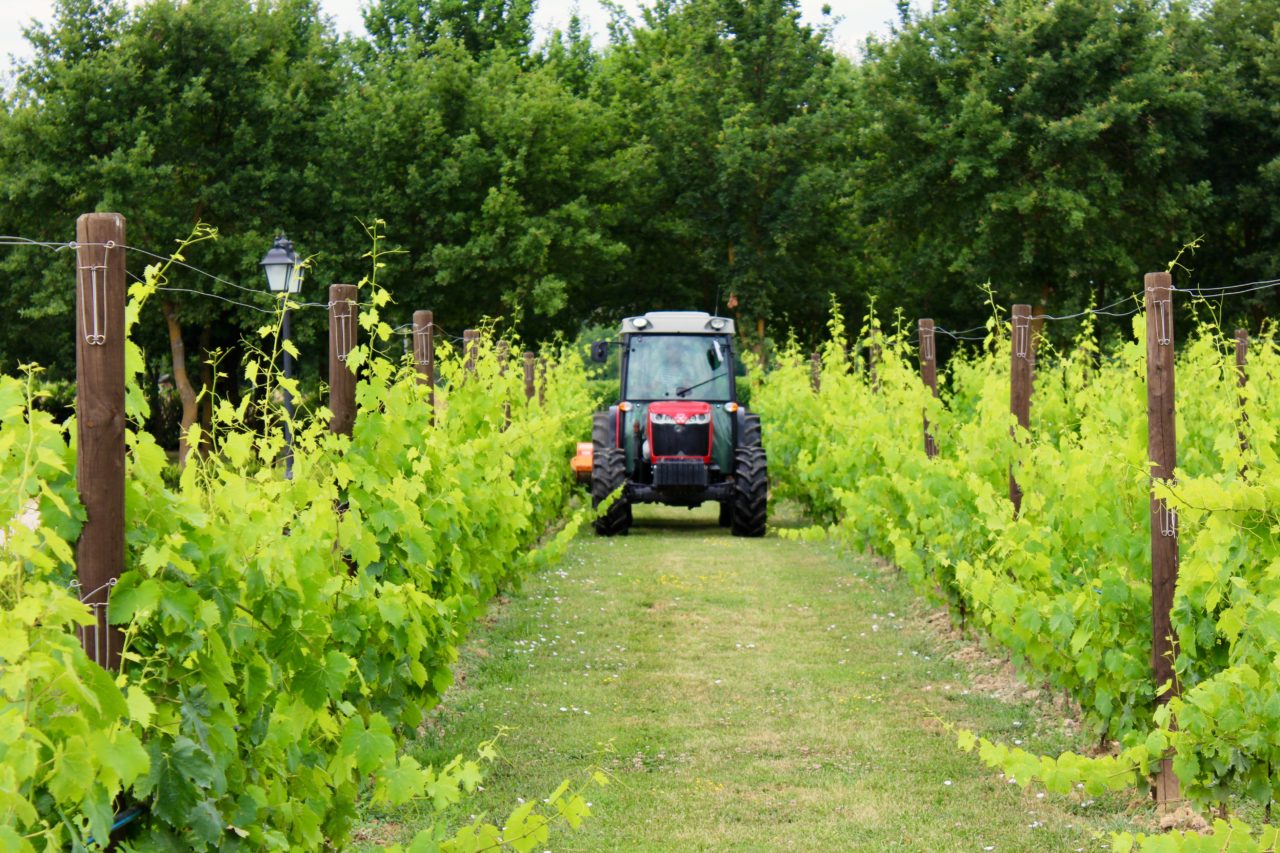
(92, 282)
(421, 341)
(96, 638)
(344, 324)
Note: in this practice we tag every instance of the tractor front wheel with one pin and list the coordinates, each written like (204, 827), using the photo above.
(608, 472)
(750, 491)
(750, 436)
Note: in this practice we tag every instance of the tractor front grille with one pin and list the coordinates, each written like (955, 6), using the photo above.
(693, 473)
(681, 440)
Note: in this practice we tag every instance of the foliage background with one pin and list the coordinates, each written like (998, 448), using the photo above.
(713, 154)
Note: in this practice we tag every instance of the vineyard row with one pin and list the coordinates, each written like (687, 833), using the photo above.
(278, 638)
(1056, 530)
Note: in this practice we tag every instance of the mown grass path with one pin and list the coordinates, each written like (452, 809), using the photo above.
(746, 695)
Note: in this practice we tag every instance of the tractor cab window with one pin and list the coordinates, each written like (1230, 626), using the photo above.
(678, 367)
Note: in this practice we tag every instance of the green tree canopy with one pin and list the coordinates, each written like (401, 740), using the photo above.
(480, 26)
(1047, 148)
(1237, 59)
(716, 154)
(741, 113)
(497, 182)
(170, 114)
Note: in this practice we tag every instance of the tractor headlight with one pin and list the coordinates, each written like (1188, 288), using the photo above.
(671, 420)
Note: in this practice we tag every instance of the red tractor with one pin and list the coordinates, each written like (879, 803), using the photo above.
(678, 435)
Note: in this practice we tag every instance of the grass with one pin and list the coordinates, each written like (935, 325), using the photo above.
(745, 694)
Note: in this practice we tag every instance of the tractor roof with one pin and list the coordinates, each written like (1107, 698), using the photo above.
(677, 323)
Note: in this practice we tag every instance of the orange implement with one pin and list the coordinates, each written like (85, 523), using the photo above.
(581, 463)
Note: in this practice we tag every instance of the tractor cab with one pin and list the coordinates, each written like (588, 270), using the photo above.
(677, 434)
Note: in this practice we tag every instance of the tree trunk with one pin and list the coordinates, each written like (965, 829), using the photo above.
(206, 386)
(181, 380)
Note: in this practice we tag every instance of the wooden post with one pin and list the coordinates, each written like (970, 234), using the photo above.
(504, 355)
(928, 373)
(528, 375)
(873, 362)
(100, 423)
(815, 371)
(1242, 380)
(343, 310)
(471, 346)
(542, 380)
(424, 354)
(1021, 365)
(1162, 451)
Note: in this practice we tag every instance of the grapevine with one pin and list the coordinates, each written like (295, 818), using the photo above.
(1064, 586)
(283, 636)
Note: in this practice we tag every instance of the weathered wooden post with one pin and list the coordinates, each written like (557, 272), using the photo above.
(873, 362)
(929, 374)
(342, 339)
(504, 355)
(100, 423)
(542, 380)
(1162, 451)
(815, 371)
(1242, 381)
(471, 345)
(528, 375)
(1021, 365)
(424, 354)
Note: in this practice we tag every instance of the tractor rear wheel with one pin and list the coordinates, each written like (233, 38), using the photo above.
(726, 513)
(750, 491)
(608, 472)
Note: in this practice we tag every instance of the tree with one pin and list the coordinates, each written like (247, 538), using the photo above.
(174, 113)
(1238, 59)
(40, 183)
(1047, 148)
(495, 180)
(740, 112)
(570, 55)
(480, 26)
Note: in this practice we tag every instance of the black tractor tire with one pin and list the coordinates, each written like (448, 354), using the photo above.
(750, 491)
(726, 513)
(602, 431)
(750, 436)
(608, 471)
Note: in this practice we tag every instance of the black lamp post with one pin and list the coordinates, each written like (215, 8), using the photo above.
(284, 277)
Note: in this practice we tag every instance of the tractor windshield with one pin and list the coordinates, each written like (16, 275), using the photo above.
(678, 367)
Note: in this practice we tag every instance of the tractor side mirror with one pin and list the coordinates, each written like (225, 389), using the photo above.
(600, 352)
(715, 357)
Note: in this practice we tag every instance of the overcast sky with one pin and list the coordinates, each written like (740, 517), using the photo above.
(859, 18)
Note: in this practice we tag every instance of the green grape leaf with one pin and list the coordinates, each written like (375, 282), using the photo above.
(372, 747)
(133, 595)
